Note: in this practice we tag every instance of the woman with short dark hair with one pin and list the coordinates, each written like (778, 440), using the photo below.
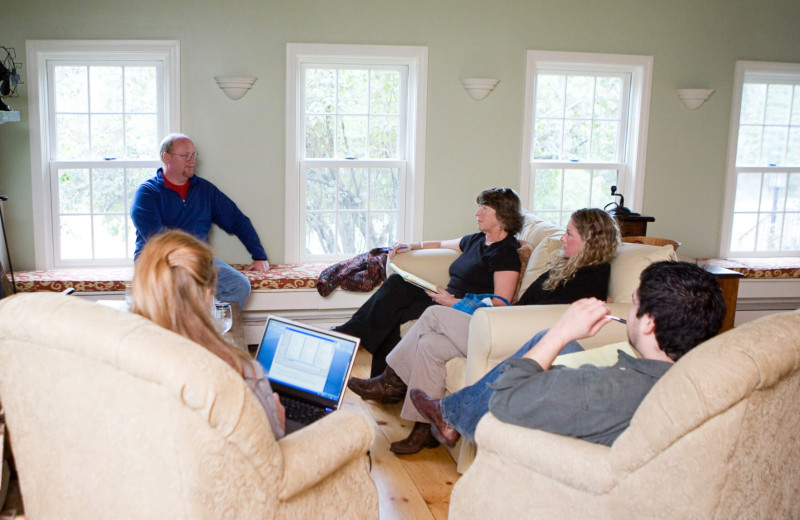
(489, 263)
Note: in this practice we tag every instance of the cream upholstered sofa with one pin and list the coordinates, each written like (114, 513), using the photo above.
(716, 437)
(496, 333)
(111, 416)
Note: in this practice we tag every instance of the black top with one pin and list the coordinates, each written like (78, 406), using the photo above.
(590, 281)
(473, 271)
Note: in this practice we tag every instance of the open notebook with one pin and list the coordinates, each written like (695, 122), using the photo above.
(415, 280)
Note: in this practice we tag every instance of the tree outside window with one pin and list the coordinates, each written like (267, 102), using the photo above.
(355, 128)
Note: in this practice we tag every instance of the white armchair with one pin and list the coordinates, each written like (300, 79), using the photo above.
(716, 437)
(112, 416)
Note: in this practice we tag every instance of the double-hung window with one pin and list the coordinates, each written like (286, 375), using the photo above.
(99, 110)
(762, 202)
(585, 131)
(355, 153)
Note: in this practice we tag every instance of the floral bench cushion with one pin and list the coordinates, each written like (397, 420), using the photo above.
(280, 276)
(764, 268)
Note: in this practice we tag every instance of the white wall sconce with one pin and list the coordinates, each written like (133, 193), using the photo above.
(235, 87)
(694, 97)
(479, 88)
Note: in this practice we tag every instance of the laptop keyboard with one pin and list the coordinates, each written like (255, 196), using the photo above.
(301, 412)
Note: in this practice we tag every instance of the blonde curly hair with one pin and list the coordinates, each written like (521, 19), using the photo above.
(600, 235)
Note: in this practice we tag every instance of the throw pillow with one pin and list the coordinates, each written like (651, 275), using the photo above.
(628, 264)
(537, 264)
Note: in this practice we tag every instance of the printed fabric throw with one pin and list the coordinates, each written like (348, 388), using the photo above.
(361, 273)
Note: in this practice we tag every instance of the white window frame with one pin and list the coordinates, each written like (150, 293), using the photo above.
(631, 176)
(38, 53)
(772, 71)
(411, 201)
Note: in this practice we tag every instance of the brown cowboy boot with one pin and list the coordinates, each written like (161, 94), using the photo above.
(443, 431)
(387, 388)
(420, 437)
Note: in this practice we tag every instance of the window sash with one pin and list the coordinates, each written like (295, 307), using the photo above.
(767, 227)
(592, 191)
(90, 213)
(91, 113)
(338, 65)
(409, 163)
(624, 104)
(44, 56)
(753, 225)
(342, 220)
(635, 73)
(339, 214)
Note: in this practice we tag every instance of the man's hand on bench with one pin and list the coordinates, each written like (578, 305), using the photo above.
(258, 265)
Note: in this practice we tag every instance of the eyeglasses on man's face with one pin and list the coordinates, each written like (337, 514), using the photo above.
(186, 156)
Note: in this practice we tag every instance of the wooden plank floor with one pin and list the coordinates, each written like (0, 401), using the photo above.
(409, 486)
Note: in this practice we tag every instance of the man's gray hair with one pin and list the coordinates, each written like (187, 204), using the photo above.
(166, 143)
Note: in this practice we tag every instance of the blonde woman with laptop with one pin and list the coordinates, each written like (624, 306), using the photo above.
(173, 285)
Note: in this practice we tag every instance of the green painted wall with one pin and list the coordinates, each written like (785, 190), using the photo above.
(470, 145)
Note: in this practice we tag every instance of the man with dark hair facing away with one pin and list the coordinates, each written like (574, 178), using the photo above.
(676, 307)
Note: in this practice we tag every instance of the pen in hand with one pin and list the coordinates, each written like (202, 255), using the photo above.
(609, 316)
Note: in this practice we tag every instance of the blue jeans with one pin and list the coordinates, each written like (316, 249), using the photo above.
(232, 286)
(465, 408)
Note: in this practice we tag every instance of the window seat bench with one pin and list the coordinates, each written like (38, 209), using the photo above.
(286, 289)
(768, 285)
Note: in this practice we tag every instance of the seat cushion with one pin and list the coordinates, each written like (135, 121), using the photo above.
(534, 229)
(537, 264)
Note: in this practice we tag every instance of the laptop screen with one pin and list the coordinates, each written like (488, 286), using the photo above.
(308, 359)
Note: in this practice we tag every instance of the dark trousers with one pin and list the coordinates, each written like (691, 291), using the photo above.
(378, 321)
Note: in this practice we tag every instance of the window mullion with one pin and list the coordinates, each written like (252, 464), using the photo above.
(91, 211)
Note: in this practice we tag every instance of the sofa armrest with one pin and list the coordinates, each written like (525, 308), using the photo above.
(432, 265)
(307, 460)
(572, 462)
(496, 333)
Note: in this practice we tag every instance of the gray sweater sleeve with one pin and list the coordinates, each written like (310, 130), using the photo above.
(591, 403)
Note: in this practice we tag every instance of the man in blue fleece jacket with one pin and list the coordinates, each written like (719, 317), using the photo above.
(177, 199)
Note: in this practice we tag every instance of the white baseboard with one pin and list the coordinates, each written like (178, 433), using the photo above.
(298, 304)
(304, 305)
(761, 297)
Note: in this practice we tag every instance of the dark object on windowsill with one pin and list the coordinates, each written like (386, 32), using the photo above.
(618, 209)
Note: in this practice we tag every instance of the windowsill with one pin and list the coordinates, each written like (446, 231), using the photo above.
(113, 279)
(762, 268)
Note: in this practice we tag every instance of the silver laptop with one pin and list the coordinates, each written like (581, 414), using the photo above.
(307, 366)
